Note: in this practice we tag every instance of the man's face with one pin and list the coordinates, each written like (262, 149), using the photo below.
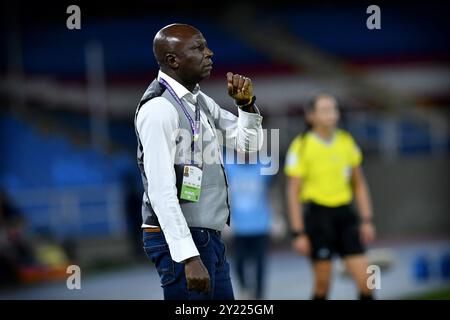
(194, 58)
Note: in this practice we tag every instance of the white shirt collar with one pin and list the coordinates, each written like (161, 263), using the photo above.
(180, 90)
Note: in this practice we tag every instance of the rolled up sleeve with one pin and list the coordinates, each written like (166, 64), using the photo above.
(243, 132)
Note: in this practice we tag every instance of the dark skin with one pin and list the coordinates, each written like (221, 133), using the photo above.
(183, 54)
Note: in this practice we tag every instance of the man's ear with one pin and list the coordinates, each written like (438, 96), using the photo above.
(172, 61)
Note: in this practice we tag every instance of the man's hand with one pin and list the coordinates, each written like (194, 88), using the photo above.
(197, 275)
(240, 88)
(302, 245)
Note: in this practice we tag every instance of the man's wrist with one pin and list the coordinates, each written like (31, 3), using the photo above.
(191, 259)
(245, 104)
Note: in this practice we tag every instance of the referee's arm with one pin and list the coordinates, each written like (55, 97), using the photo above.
(364, 203)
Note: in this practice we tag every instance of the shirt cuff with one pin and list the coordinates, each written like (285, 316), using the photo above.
(183, 249)
(249, 119)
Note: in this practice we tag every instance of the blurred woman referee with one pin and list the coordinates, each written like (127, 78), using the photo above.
(323, 166)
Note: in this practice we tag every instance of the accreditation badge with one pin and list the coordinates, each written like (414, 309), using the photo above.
(191, 185)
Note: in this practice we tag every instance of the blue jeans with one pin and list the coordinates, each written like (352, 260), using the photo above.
(171, 273)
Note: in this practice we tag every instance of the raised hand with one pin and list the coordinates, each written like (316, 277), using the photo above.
(240, 88)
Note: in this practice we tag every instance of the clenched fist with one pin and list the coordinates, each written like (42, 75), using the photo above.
(197, 276)
(240, 88)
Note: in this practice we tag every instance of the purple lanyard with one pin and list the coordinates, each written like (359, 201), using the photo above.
(195, 125)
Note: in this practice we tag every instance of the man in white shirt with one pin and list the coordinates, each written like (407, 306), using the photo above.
(182, 221)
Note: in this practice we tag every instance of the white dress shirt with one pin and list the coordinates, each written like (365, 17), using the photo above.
(156, 122)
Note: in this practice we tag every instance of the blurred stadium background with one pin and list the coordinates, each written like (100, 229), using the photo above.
(68, 175)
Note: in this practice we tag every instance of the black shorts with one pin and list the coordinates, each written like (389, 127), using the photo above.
(332, 230)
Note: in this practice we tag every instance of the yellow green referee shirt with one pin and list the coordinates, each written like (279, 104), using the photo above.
(324, 167)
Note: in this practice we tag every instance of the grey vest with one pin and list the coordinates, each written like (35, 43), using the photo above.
(213, 208)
